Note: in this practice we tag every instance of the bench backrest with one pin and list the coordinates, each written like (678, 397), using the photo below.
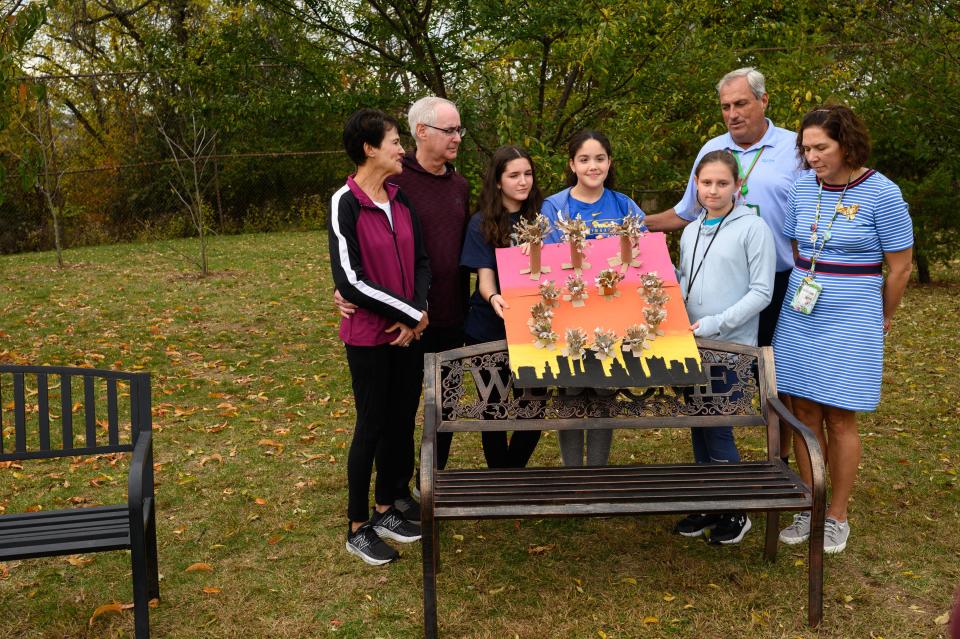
(38, 405)
(471, 389)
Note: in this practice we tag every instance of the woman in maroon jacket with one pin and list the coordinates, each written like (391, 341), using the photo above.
(379, 264)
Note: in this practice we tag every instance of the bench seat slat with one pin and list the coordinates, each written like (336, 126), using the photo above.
(592, 471)
(704, 493)
(74, 547)
(55, 517)
(613, 487)
(28, 538)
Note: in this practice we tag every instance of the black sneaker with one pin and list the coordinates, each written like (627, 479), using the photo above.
(393, 525)
(410, 509)
(730, 529)
(695, 525)
(367, 545)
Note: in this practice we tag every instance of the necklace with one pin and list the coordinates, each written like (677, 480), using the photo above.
(745, 176)
(814, 228)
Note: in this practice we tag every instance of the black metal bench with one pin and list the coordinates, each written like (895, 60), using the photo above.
(741, 391)
(83, 530)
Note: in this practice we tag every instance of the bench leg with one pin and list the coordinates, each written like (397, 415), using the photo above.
(773, 535)
(153, 569)
(815, 578)
(141, 588)
(430, 546)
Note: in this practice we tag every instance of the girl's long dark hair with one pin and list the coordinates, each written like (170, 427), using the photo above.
(494, 218)
(574, 145)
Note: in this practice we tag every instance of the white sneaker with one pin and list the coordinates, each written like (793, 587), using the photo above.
(835, 535)
(797, 532)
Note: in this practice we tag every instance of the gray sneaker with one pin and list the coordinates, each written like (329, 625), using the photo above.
(835, 535)
(797, 532)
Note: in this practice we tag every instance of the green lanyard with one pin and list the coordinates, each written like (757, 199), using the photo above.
(745, 176)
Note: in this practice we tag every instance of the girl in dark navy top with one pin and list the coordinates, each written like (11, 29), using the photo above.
(509, 192)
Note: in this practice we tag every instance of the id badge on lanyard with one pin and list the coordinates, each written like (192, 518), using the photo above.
(806, 296)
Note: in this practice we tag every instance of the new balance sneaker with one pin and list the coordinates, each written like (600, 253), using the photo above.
(730, 529)
(410, 509)
(367, 545)
(835, 535)
(694, 525)
(798, 531)
(393, 525)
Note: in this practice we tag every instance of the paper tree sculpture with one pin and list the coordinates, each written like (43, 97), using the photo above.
(575, 234)
(635, 339)
(629, 231)
(655, 316)
(532, 233)
(576, 291)
(603, 343)
(576, 346)
(549, 293)
(607, 281)
(541, 326)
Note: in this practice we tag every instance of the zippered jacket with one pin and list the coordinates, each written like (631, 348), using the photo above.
(384, 270)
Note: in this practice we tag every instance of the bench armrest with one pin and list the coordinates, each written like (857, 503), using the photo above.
(810, 443)
(140, 481)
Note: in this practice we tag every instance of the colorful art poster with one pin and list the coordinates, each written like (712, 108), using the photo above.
(642, 342)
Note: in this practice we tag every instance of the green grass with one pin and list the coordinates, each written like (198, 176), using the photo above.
(253, 416)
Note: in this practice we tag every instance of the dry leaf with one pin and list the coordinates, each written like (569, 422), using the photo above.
(217, 457)
(601, 634)
(650, 620)
(211, 590)
(497, 590)
(629, 580)
(4, 571)
(540, 550)
(668, 597)
(458, 537)
(108, 609)
(199, 567)
(260, 501)
(79, 561)
(942, 620)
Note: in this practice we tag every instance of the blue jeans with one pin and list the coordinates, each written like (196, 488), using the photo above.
(714, 445)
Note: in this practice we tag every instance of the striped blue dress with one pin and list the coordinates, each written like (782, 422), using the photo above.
(834, 356)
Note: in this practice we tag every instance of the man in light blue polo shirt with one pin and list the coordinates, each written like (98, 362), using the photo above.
(769, 165)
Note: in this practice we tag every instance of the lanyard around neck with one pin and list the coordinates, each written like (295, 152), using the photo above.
(693, 257)
(746, 176)
(815, 227)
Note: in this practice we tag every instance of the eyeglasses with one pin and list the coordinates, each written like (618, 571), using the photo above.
(449, 131)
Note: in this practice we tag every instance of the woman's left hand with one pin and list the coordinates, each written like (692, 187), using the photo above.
(887, 323)
(695, 326)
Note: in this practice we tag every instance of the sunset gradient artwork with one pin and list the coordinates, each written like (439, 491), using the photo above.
(671, 359)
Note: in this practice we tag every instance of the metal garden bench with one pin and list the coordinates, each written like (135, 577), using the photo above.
(741, 391)
(83, 530)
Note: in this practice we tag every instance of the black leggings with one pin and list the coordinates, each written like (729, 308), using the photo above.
(386, 390)
(499, 451)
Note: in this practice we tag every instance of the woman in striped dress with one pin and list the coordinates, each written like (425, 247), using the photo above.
(846, 221)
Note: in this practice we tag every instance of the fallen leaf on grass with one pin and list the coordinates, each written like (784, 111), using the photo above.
(942, 620)
(4, 571)
(458, 537)
(271, 443)
(650, 620)
(79, 561)
(540, 550)
(109, 609)
(211, 590)
(629, 580)
(217, 457)
(759, 618)
(273, 541)
(497, 590)
(260, 501)
(668, 597)
(601, 634)
(199, 567)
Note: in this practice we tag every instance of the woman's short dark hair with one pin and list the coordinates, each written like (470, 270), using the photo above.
(366, 126)
(841, 124)
(576, 142)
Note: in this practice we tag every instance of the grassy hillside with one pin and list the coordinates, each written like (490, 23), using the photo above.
(253, 415)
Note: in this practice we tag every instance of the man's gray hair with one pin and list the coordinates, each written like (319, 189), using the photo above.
(424, 111)
(758, 84)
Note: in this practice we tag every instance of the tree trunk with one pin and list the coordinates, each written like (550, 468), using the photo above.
(923, 268)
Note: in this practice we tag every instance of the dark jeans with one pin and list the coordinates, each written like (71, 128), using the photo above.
(770, 315)
(386, 390)
(434, 340)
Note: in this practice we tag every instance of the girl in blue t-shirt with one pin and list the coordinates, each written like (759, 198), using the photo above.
(590, 197)
(509, 192)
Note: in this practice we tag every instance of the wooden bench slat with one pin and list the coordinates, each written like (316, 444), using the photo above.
(90, 411)
(552, 488)
(66, 411)
(588, 473)
(619, 493)
(43, 408)
(75, 547)
(113, 421)
(57, 516)
(19, 414)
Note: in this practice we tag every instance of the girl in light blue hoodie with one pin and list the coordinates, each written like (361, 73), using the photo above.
(727, 265)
